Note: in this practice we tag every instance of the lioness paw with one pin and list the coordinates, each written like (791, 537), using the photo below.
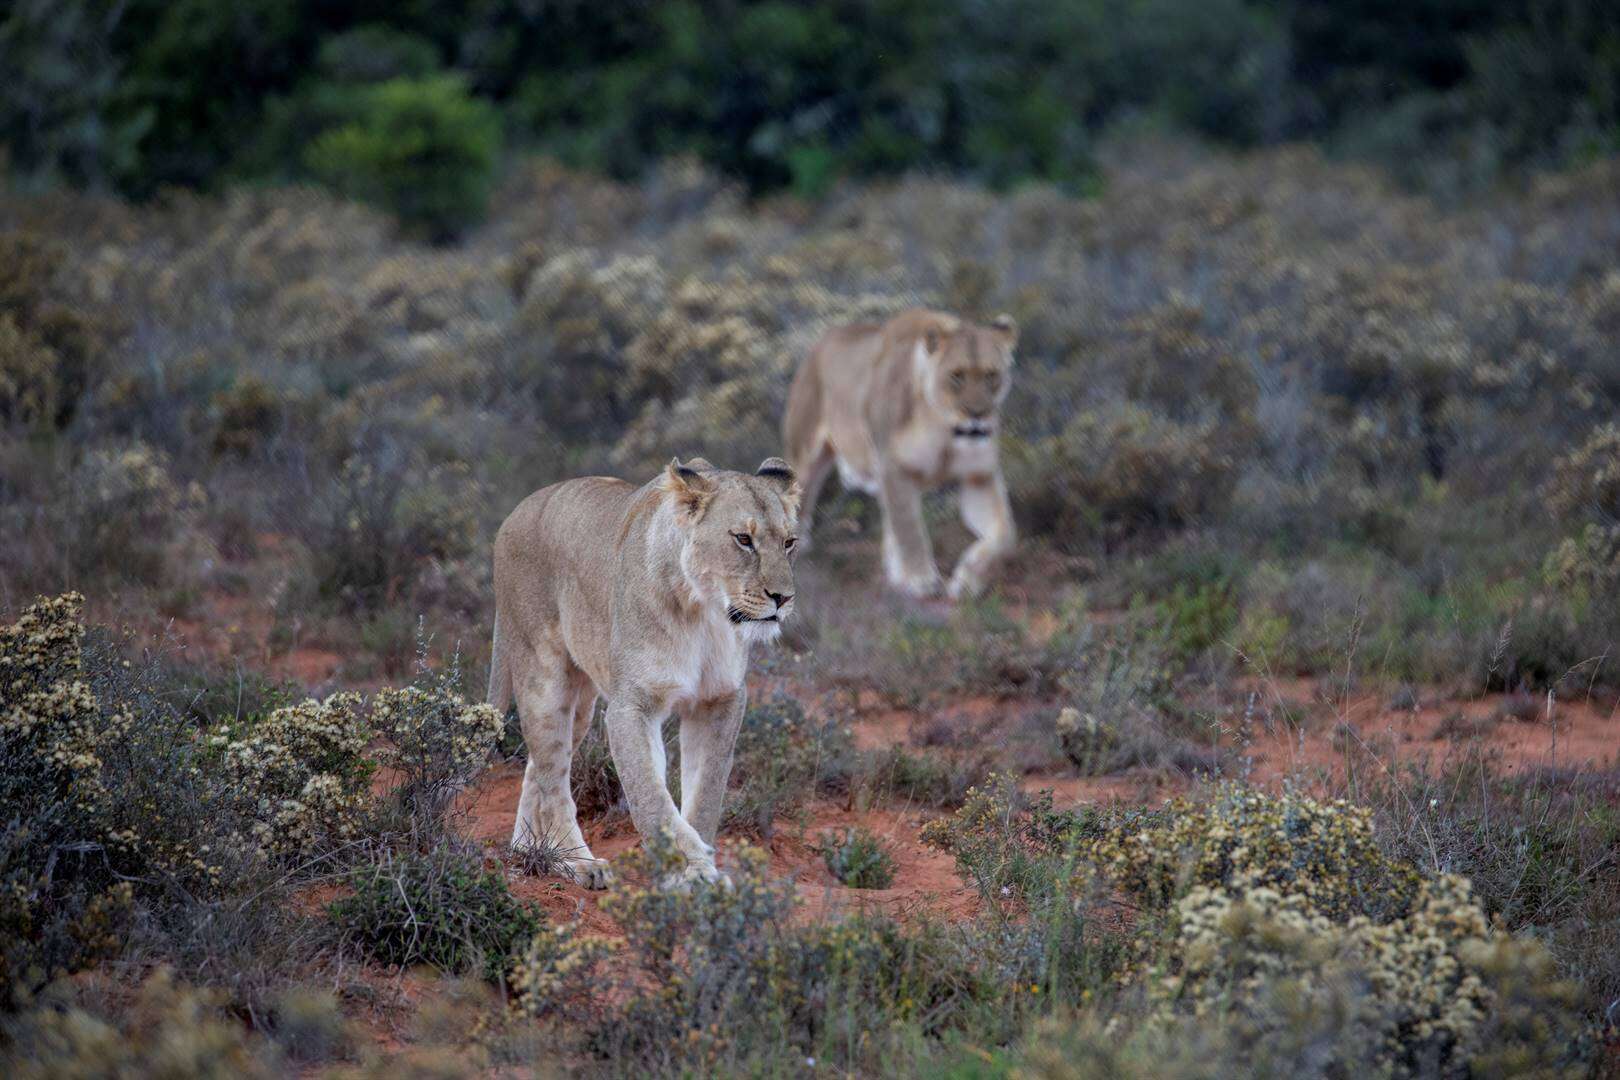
(681, 881)
(964, 586)
(921, 586)
(591, 873)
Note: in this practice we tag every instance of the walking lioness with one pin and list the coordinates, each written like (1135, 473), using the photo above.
(652, 597)
(902, 407)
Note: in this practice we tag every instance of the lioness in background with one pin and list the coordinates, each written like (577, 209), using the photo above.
(651, 596)
(903, 407)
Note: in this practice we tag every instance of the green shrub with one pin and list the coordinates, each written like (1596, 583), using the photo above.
(384, 515)
(126, 516)
(51, 349)
(1009, 843)
(935, 780)
(443, 907)
(1441, 992)
(124, 813)
(593, 775)
(424, 149)
(782, 759)
(1242, 839)
(857, 859)
(1586, 481)
(1129, 468)
(717, 979)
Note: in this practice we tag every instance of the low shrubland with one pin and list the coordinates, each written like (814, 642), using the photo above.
(1424, 923)
(1275, 932)
(139, 832)
(1306, 420)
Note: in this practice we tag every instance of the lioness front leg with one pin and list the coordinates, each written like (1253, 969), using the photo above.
(708, 737)
(988, 515)
(908, 557)
(629, 720)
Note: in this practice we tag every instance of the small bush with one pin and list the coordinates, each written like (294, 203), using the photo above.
(424, 149)
(443, 907)
(593, 775)
(384, 517)
(1586, 482)
(1130, 469)
(124, 514)
(1441, 993)
(935, 780)
(782, 759)
(437, 742)
(857, 859)
(1009, 843)
(168, 1031)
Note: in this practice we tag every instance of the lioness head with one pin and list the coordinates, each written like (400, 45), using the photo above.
(966, 370)
(739, 535)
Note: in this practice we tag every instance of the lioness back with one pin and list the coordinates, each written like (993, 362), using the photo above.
(550, 569)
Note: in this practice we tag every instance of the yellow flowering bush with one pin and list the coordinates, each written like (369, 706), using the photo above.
(126, 510)
(301, 773)
(1242, 838)
(437, 742)
(53, 733)
(1586, 481)
(1424, 993)
(557, 970)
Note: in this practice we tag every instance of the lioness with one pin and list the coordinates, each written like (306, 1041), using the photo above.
(651, 596)
(902, 407)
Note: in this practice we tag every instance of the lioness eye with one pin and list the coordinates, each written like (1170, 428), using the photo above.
(743, 540)
(956, 378)
(993, 379)
(787, 545)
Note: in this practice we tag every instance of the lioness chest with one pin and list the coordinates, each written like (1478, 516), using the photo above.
(929, 454)
(708, 661)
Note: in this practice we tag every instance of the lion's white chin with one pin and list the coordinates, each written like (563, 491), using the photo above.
(759, 632)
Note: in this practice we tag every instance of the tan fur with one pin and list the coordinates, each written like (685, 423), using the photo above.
(644, 595)
(903, 407)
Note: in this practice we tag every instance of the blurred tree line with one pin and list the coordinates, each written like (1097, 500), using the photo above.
(410, 102)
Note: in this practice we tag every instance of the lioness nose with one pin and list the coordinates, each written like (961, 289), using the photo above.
(780, 598)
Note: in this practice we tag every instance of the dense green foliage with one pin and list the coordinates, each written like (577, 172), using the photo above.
(149, 94)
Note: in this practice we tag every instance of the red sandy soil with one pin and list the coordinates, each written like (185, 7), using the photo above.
(925, 879)
(1361, 730)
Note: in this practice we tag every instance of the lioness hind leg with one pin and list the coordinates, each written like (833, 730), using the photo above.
(813, 473)
(547, 706)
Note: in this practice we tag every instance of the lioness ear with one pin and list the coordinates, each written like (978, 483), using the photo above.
(700, 464)
(780, 472)
(1007, 327)
(690, 488)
